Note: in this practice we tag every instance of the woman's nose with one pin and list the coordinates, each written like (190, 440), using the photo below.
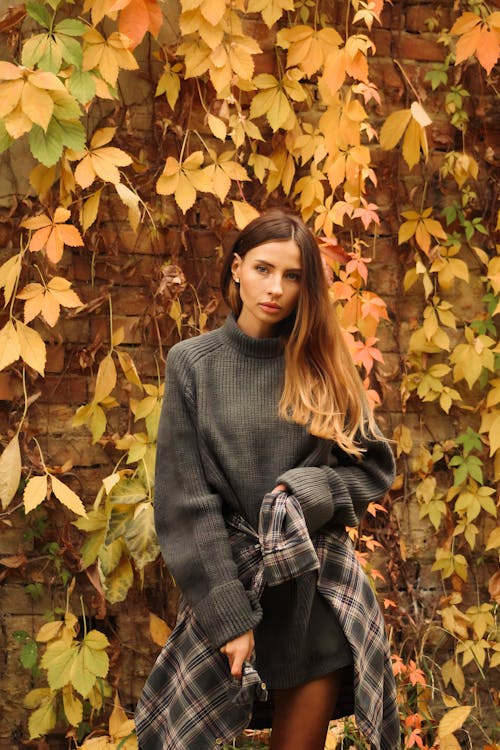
(276, 286)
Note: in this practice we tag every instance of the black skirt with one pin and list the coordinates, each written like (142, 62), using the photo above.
(299, 638)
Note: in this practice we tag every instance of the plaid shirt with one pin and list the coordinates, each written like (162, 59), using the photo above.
(190, 700)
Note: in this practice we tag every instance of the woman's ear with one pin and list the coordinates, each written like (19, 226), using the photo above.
(235, 268)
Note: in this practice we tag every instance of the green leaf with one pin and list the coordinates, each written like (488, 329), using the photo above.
(73, 134)
(82, 86)
(71, 50)
(140, 537)
(470, 441)
(118, 583)
(70, 27)
(5, 139)
(39, 13)
(91, 547)
(29, 655)
(110, 556)
(65, 108)
(127, 492)
(47, 147)
(51, 60)
(121, 516)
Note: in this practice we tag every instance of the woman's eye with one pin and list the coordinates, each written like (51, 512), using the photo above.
(293, 276)
(261, 269)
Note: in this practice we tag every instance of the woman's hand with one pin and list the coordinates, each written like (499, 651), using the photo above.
(279, 488)
(237, 651)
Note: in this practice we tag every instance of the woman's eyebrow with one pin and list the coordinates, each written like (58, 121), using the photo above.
(267, 263)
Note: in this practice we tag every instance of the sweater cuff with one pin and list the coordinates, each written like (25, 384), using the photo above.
(310, 487)
(227, 612)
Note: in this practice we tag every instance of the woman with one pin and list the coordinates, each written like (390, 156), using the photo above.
(271, 402)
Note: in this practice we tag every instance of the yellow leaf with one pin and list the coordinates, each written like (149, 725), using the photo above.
(101, 137)
(106, 379)
(32, 347)
(49, 631)
(35, 493)
(10, 347)
(90, 205)
(244, 213)
(129, 369)
(37, 104)
(411, 143)
(393, 128)
(158, 629)
(217, 126)
(131, 200)
(420, 115)
(453, 720)
(404, 439)
(67, 497)
(72, 705)
(9, 273)
(449, 742)
(10, 471)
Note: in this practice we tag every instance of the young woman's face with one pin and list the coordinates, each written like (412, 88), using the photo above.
(269, 278)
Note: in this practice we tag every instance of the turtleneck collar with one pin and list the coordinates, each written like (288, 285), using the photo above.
(265, 348)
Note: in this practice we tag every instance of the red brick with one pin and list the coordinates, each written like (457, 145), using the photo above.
(416, 17)
(421, 47)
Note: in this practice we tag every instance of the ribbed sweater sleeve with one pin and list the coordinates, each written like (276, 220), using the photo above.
(188, 517)
(340, 491)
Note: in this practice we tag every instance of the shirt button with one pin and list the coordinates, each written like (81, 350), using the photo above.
(263, 686)
(219, 741)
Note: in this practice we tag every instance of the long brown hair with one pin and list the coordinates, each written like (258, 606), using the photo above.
(322, 388)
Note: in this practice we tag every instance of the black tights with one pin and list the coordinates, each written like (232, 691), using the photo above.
(302, 713)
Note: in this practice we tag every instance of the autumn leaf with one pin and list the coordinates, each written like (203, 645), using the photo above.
(107, 55)
(222, 171)
(271, 10)
(365, 353)
(244, 213)
(184, 179)
(47, 299)
(52, 234)
(453, 720)
(10, 348)
(35, 492)
(308, 48)
(477, 37)
(10, 471)
(169, 83)
(32, 347)
(9, 274)
(137, 18)
(273, 98)
(412, 123)
(131, 200)
(26, 98)
(422, 227)
(67, 497)
(100, 160)
(158, 629)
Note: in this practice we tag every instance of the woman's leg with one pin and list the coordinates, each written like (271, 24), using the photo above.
(302, 713)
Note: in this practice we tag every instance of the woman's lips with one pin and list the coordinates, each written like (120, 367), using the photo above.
(270, 307)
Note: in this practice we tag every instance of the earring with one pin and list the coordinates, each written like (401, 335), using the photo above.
(236, 281)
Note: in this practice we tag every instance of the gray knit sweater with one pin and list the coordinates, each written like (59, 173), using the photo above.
(222, 445)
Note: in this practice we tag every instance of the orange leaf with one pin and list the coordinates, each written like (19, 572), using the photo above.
(39, 239)
(139, 17)
(55, 246)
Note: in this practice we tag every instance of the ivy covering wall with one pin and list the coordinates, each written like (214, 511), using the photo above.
(136, 138)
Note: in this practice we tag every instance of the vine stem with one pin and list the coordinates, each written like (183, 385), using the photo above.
(410, 84)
